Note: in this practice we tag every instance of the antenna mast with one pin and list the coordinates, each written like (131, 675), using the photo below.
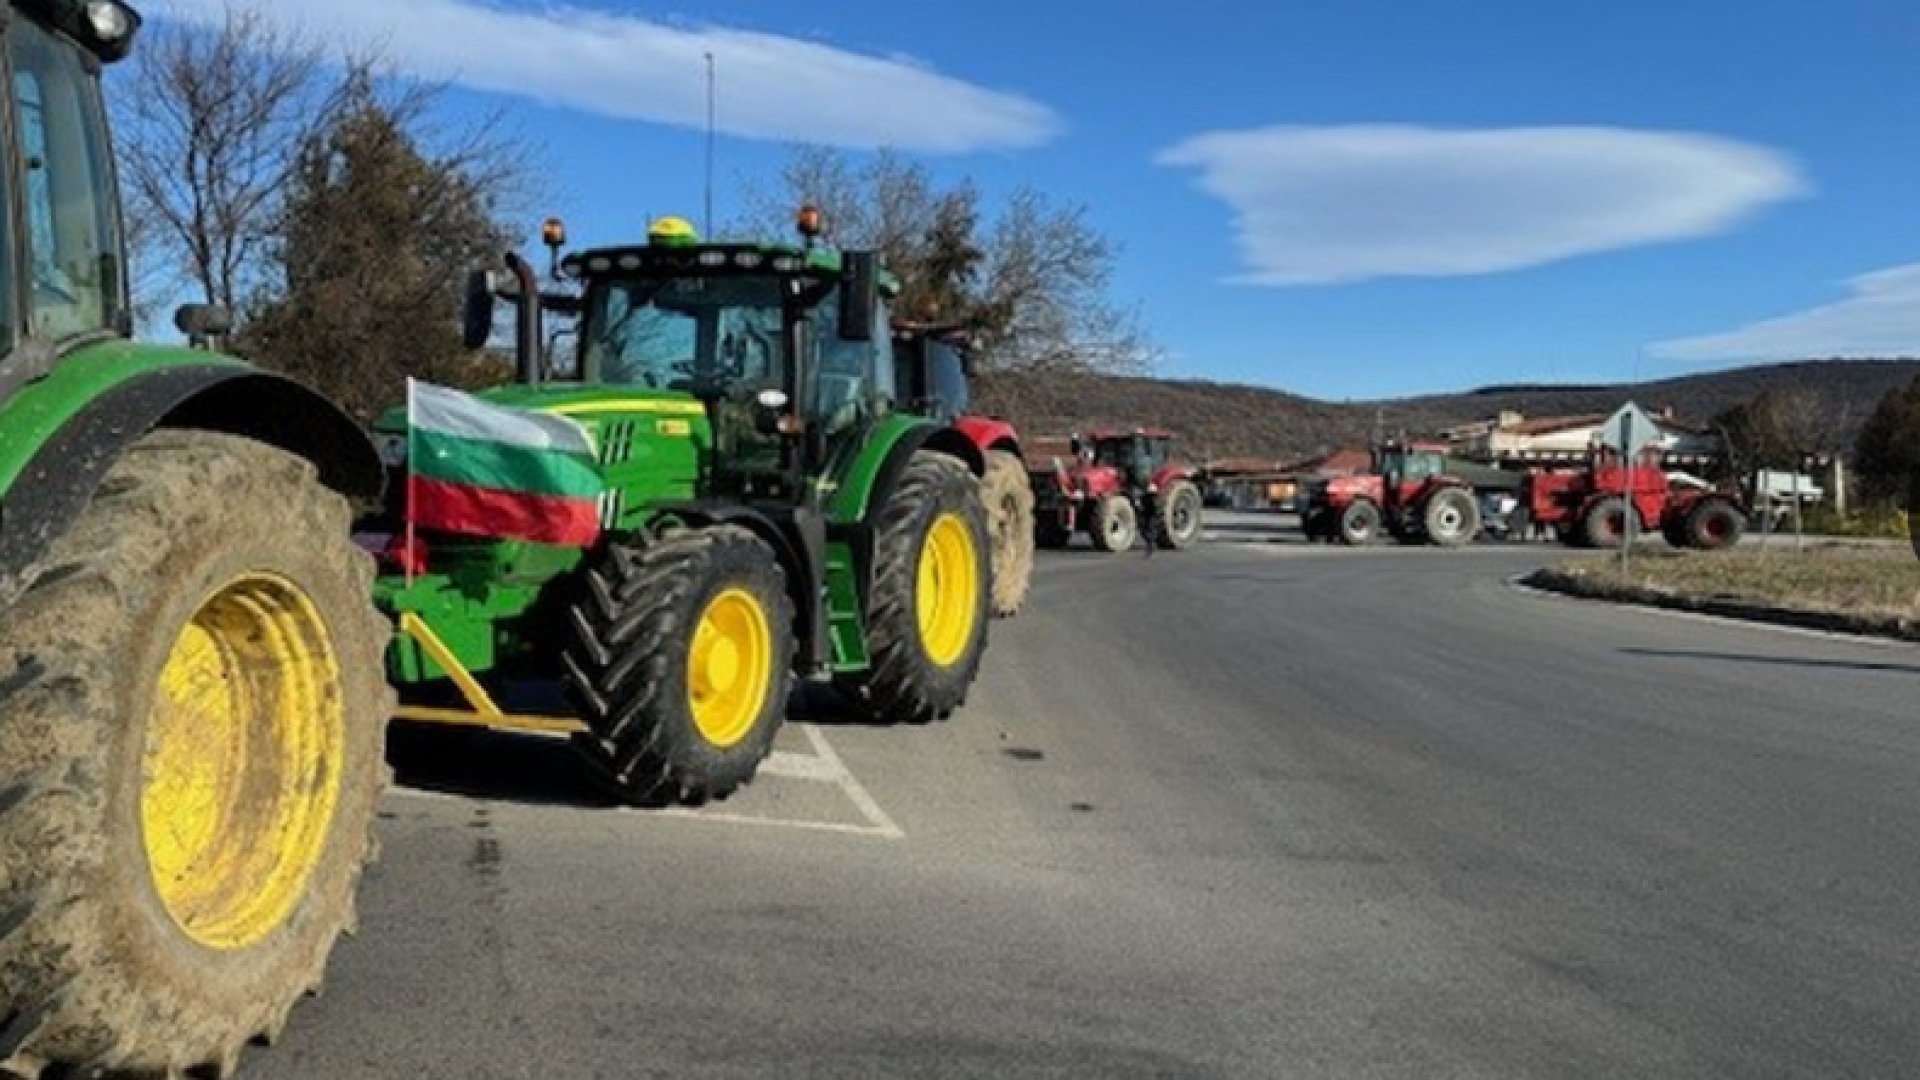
(710, 129)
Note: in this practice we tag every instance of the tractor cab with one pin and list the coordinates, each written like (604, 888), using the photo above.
(63, 281)
(1405, 468)
(1136, 453)
(784, 349)
(932, 369)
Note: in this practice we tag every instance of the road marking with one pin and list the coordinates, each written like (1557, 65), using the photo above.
(856, 791)
(823, 766)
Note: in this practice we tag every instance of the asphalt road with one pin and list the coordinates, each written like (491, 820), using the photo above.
(1257, 810)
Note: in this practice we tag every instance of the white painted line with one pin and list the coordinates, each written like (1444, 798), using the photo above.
(793, 766)
(694, 813)
(883, 825)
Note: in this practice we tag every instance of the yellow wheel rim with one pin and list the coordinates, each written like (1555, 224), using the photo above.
(730, 667)
(243, 762)
(948, 597)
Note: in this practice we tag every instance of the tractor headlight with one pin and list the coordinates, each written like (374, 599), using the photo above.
(393, 450)
(112, 21)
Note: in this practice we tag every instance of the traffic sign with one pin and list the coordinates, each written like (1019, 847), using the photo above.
(1629, 431)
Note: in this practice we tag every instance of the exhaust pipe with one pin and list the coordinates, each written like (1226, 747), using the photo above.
(528, 339)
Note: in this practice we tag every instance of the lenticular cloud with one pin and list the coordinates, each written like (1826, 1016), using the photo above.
(1327, 205)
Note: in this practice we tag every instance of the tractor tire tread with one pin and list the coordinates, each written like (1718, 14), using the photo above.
(1008, 496)
(619, 662)
(903, 685)
(93, 977)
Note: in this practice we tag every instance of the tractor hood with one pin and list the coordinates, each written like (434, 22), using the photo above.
(591, 405)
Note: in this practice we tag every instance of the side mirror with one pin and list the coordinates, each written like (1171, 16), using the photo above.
(476, 323)
(859, 295)
(202, 321)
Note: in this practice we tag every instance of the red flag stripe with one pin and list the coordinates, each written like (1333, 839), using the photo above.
(506, 515)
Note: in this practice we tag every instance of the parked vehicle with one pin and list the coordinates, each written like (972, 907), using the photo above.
(1415, 493)
(1589, 506)
(1114, 480)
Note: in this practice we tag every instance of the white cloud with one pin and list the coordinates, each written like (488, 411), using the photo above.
(770, 87)
(1324, 205)
(1880, 319)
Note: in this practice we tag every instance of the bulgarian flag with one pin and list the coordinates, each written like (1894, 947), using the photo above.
(511, 474)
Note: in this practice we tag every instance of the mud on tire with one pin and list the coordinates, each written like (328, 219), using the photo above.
(1008, 497)
(1180, 516)
(906, 684)
(630, 656)
(98, 969)
(1114, 525)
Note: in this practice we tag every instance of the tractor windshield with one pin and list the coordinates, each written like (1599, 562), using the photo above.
(719, 335)
(72, 224)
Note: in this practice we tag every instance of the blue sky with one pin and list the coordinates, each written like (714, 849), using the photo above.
(1348, 200)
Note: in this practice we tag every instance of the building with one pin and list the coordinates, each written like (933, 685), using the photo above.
(1512, 439)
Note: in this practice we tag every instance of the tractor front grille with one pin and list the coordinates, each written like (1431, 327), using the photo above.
(616, 442)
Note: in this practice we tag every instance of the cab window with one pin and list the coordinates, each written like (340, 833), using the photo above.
(72, 221)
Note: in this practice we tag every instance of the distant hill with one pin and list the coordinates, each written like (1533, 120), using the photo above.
(1225, 420)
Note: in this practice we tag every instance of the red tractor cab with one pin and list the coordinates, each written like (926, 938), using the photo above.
(1416, 493)
(1116, 479)
(1588, 507)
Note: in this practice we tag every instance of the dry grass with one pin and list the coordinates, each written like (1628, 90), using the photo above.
(1877, 585)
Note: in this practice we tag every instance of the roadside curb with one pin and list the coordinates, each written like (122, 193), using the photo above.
(1581, 587)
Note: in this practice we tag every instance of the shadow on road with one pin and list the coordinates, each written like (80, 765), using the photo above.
(494, 765)
(1773, 661)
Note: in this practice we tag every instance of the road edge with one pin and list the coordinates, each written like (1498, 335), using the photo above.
(1580, 587)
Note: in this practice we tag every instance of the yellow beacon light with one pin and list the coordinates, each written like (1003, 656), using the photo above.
(672, 232)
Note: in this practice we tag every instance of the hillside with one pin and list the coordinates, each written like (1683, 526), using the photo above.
(1223, 420)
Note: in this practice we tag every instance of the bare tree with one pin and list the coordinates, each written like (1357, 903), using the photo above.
(210, 128)
(1031, 276)
(382, 218)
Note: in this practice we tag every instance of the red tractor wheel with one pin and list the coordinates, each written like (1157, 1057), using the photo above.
(1714, 525)
(1115, 525)
(1451, 518)
(1605, 524)
(1180, 510)
(1359, 523)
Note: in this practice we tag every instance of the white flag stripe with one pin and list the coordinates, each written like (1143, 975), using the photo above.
(450, 412)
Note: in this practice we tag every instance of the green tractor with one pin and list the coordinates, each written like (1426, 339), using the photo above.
(191, 711)
(769, 513)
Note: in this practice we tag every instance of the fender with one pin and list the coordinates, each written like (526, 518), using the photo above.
(873, 475)
(990, 433)
(61, 475)
(1168, 474)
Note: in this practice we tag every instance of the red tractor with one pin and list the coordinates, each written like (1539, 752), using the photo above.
(1115, 480)
(1588, 507)
(933, 366)
(1415, 493)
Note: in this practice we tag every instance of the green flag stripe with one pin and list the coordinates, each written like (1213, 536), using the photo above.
(502, 467)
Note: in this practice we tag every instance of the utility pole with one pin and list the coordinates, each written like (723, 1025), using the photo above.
(708, 228)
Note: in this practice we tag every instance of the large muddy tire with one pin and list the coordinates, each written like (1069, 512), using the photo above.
(927, 614)
(680, 661)
(1605, 524)
(194, 717)
(1451, 518)
(1008, 497)
(1115, 526)
(1359, 523)
(1180, 516)
(1714, 525)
